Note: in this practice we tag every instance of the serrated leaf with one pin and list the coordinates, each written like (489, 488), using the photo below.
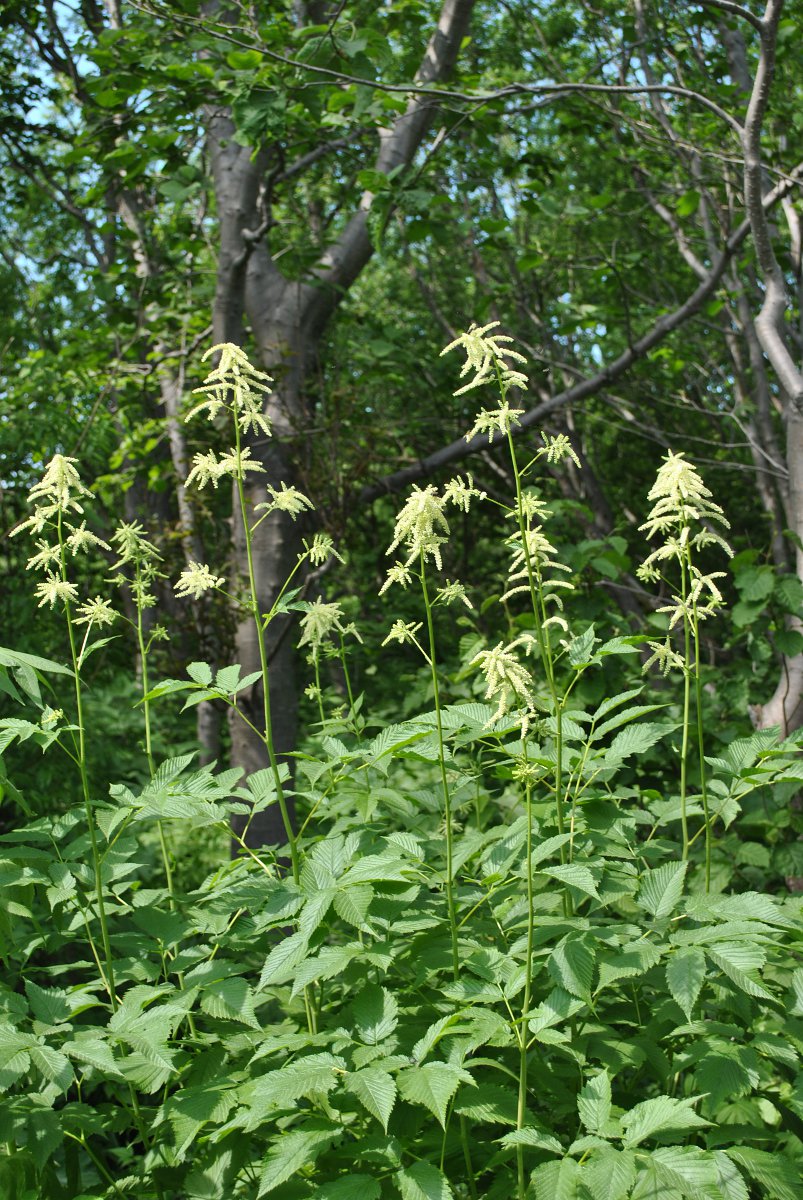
(736, 959)
(375, 1014)
(54, 1065)
(94, 1053)
(662, 889)
(609, 1174)
(200, 672)
(635, 739)
(331, 962)
(529, 1135)
(575, 876)
(350, 1187)
(376, 1091)
(489, 1104)
(352, 904)
(685, 973)
(730, 1182)
(557, 1180)
(193, 1107)
(284, 958)
(777, 1174)
(657, 1116)
(432, 1085)
(230, 1000)
(290, 1153)
(594, 1103)
(686, 1168)
(422, 1181)
(623, 718)
(571, 965)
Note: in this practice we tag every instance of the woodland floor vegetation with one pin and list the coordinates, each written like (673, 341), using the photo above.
(528, 937)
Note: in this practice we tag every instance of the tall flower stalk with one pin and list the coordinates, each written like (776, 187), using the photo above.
(60, 539)
(684, 515)
(491, 361)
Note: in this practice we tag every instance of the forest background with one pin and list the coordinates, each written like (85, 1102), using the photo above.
(341, 190)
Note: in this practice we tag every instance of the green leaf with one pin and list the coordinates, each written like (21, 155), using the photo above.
(635, 739)
(376, 1091)
(14, 658)
(685, 973)
(662, 889)
(609, 1174)
(54, 1065)
(557, 1180)
(350, 1187)
(200, 672)
(529, 1135)
(375, 1014)
(736, 959)
(353, 903)
(331, 962)
(230, 1000)
(594, 1103)
(657, 1116)
(290, 1153)
(94, 1053)
(193, 1107)
(776, 1173)
(432, 1085)
(571, 965)
(284, 958)
(576, 876)
(422, 1181)
(686, 1168)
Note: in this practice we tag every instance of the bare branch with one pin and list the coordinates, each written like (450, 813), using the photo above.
(770, 321)
(666, 324)
(736, 10)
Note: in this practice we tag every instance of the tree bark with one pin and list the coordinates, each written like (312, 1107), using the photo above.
(288, 318)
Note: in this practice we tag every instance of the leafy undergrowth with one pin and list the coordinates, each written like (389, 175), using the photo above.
(494, 959)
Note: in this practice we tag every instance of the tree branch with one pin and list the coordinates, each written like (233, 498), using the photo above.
(770, 321)
(666, 324)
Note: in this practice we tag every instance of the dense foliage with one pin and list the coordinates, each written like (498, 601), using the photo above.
(521, 941)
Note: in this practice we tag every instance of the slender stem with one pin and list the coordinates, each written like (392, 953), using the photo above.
(684, 749)
(447, 805)
(528, 967)
(146, 710)
(447, 798)
(90, 816)
(318, 688)
(698, 689)
(263, 660)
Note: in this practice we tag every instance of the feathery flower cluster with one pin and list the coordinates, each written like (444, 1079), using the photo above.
(208, 468)
(461, 492)
(681, 503)
(452, 592)
(404, 631)
(417, 526)
(286, 499)
(54, 499)
(96, 612)
(237, 386)
(557, 447)
(137, 562)
(321, 549)
(486, 356)
(507, 680)
(196, 579)
(320, 621)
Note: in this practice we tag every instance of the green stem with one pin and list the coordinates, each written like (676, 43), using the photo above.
(528, 966)
(447, 798)
(684, 748)
(90, 816)
(263, 661)
(698, 690)
(447, 804)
